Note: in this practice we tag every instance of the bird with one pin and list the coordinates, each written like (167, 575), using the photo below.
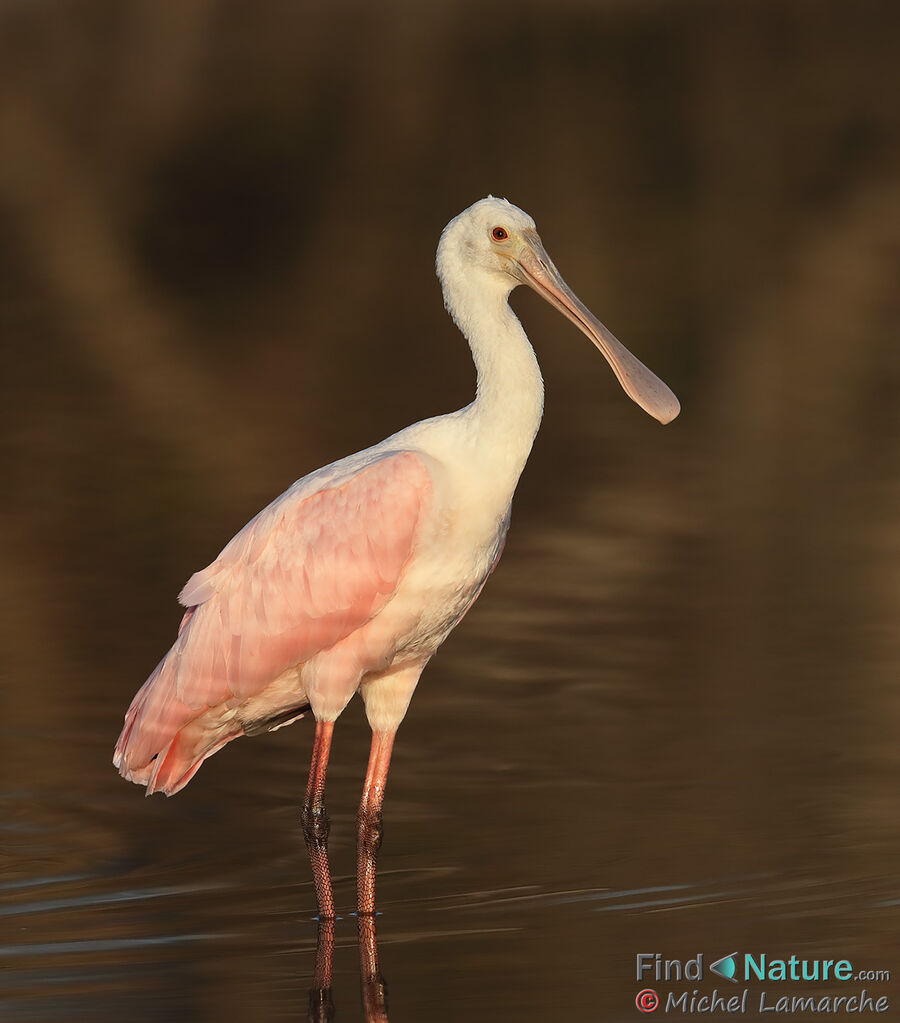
(351, 579)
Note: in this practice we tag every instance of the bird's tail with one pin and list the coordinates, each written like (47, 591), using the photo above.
(164, 741)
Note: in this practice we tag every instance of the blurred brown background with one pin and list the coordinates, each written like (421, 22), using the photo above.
(217, 229)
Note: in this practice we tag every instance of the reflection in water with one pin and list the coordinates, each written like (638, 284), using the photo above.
(374, 987)
(321, 1002)
(373, 984)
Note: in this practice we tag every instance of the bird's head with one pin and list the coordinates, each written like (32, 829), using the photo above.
(486, 237)
(496, 246)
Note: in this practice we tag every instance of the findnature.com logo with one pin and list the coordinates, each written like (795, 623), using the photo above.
(751, 968)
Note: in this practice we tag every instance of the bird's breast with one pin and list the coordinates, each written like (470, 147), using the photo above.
(448, 571)
(459, 539)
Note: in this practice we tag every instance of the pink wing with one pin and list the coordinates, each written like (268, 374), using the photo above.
(308, 571)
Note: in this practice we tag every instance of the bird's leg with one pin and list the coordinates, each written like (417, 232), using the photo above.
(370, 827)
(315, 820)
(374, 986)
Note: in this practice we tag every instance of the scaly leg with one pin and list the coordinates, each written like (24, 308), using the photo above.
(315, 820)
(370, 825)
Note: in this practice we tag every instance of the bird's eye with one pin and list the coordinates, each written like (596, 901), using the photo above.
(499, 234)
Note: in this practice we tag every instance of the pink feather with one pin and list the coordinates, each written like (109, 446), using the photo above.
(307, 572)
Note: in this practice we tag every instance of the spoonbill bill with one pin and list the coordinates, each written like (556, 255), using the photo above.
(352, 578)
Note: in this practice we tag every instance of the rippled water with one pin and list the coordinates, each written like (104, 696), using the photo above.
(670, 722)
(590, 769)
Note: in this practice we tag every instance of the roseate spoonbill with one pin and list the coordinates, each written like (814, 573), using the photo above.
(353, 578)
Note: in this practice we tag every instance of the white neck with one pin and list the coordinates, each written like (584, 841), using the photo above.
(504, 418)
